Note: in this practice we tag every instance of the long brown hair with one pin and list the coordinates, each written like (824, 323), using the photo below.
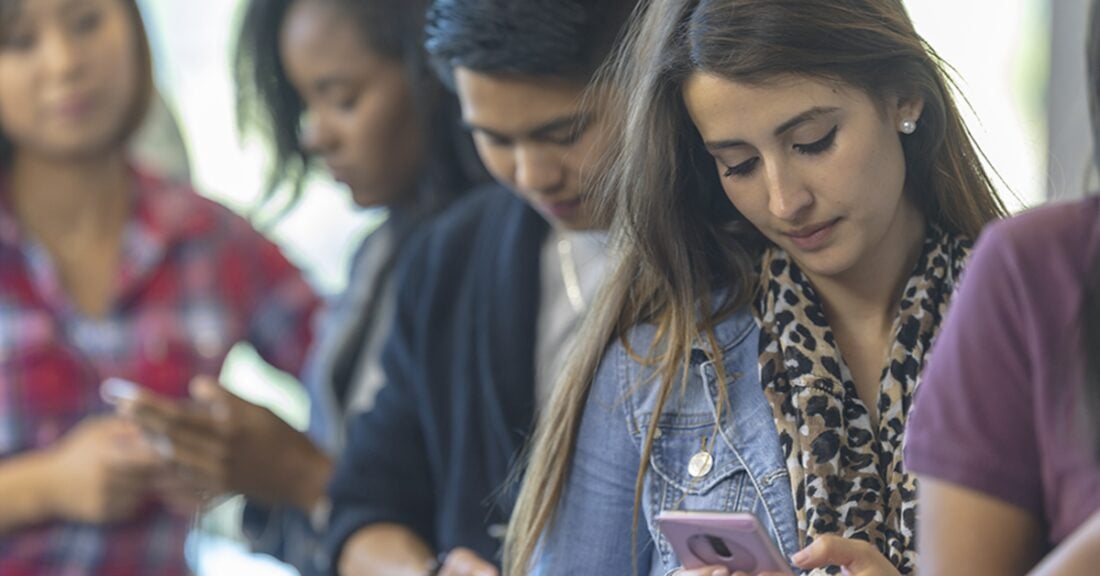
(679, 238)
(143, 60)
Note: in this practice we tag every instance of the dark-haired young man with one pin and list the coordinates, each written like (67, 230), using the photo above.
(490, 297)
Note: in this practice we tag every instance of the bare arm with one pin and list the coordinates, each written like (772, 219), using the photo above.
(25, 478)
(965, 532)
(99, 472)
(1079, 554)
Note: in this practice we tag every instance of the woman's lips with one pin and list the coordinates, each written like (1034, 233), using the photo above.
(74, 108)
(812, 238)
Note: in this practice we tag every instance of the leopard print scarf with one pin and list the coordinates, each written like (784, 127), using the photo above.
(846, 478)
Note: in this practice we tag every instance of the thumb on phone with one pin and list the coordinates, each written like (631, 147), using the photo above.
(207, 391)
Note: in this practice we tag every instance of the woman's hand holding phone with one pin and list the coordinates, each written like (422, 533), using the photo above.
(219, 443)
(855, 557)
(102, 471)
(735, 544)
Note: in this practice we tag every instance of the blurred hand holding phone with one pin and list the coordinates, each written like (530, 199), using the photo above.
(99, 471)
(219, 443)
(126, 395)
(189, 434)
(734, 540)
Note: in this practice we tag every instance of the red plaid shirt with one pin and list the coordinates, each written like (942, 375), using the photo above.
(194, 280)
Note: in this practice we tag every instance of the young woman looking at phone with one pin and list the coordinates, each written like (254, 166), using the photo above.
(796, 194)
(107, 271)
(343, 85)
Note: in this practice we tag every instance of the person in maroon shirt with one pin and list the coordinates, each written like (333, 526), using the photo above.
(1004, 431)
(107, 271)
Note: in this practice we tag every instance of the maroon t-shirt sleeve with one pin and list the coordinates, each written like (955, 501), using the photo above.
(973, 421)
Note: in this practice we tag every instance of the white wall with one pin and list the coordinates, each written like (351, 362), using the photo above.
(1070, 138)
(999, 50)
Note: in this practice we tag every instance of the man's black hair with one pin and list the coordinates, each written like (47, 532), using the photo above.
(564, 38)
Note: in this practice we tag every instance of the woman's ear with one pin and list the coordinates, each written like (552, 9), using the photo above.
(907, 110)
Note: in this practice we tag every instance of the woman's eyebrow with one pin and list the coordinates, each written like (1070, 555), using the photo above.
(787, 126)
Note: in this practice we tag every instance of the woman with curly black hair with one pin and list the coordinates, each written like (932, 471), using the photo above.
(345, 84)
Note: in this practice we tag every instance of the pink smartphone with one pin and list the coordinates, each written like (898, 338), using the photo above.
(735, 540)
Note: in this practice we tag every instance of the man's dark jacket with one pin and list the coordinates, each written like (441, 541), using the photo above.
(435, 452)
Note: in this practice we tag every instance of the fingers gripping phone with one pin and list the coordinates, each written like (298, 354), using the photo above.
(735, 540)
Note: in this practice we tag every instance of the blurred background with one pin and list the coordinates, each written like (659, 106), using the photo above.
(1019, 64)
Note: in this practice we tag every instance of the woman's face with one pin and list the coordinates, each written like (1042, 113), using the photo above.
(68, 76)
(359, 113)
(817, 167)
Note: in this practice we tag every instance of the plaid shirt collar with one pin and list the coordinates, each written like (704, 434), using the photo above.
(162, 216)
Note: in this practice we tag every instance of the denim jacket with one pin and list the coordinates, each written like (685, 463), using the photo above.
(591, 532)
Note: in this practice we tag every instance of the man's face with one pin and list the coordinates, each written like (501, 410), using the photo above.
(536, 135)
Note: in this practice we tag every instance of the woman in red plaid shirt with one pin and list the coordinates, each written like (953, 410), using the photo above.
(107, 271)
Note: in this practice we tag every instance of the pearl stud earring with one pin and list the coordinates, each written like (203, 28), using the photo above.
(908, 126)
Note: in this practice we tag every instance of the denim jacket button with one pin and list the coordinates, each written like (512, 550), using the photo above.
(700, 464)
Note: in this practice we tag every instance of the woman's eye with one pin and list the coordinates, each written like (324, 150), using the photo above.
(87, 22)
(344, 101)
(19, 42)
(818, 146)
(743, 169)
(18, 38)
